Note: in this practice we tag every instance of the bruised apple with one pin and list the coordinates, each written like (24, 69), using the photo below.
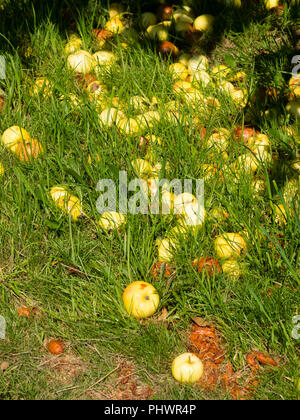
(167, 48)
(208, 265)
(165, 12)
(187, 368)
(244, 133)
(140, 299)
(26, 151)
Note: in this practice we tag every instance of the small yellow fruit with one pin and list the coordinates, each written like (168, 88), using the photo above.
(203, 23)
(187, 368)
(139, 103)
(1, 169)
(201, 77)
(165, 250)
(58, 192)
(240, 97)
(111, 116)
(128, 126)
(232, 268)
(271, 4)
(182, 87)
(81, 61)
(230, 245)
(178, 71)
(68, 203)
(103, 59)
(13, 136)
(114, 25)
(111, 220)
(141, 299)
(142, 167)
(221, 71)
(219, 139)
(158, 32)
(183, 201)
(148, 119)
(73, 45)
(198, 62)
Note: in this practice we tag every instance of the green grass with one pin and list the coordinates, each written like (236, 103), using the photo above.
(37, 242)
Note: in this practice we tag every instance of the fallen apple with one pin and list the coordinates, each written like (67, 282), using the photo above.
(111, 116)
(162, 269)
(114, 25)
(168, 49)
(208, 265)
(140, 299)
(165, 12)
(244, 133)
(68, 203)
(2, 103)
(178, 71)
(111, 220)
(28, 150)
(271, 4)
(187, 368)
(81, 61)
(73, 45)
(101, 36)
(201, 77)
(232, 269)
(165, 250)
(42, 85)
(198, 62)
(203, 23)
(159, 32)
(13, 136)
(142, 168)
(230, 245)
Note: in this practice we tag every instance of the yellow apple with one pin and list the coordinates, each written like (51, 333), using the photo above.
(165, 250)
(158, 32)
(201, 77)
(232, 268)
(142, 168)
(73, 45)
(81, 61)
(68, 203)
(178, 71)
(128, 126)
(111, 116)
(187, 368)
(203, 23)
(141, 299)
(271, 4)
(111, 220)
(230, 245)
(198, 62)
(13, 136)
